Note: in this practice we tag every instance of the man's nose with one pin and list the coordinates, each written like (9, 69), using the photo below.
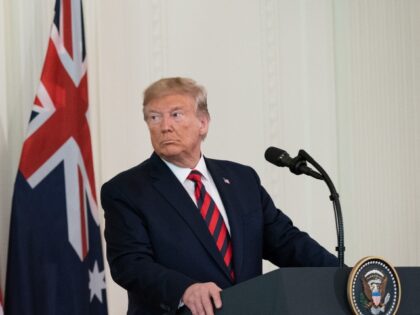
(166, 123)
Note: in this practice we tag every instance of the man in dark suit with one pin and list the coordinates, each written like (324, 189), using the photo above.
(181, 227)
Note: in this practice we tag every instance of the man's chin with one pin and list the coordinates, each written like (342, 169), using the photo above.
(169, 152)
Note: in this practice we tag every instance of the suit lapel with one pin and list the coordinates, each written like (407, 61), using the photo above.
(166, 183)
(225, 186)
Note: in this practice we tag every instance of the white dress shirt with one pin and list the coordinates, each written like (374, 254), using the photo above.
(182, 173)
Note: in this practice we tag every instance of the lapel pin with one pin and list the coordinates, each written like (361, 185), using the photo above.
(227, 181)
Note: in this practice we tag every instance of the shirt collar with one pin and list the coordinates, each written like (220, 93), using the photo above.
(182, 172)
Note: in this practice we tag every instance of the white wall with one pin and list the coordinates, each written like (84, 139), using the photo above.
(337, 78)
(377, 46)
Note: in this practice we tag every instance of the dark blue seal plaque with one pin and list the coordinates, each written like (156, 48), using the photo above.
(374, 288)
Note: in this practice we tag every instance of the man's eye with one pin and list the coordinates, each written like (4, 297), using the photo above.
(177, 114)
(154, 117)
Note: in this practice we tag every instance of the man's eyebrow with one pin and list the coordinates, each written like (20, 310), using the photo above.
(152, 112)
(177, 107)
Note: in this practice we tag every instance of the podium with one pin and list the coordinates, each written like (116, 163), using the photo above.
(301, 291)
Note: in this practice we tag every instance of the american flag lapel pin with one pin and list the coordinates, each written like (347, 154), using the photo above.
(227, 181)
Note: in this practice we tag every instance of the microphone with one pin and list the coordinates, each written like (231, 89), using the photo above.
(296, 165)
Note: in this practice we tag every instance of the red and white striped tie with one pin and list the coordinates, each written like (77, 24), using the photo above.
(214, 220)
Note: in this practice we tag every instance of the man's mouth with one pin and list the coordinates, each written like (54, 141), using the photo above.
(169, 141)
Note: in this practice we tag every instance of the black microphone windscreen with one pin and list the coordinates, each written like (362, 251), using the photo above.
(273, 155)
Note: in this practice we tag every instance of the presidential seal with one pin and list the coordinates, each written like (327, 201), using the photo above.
(373, 288)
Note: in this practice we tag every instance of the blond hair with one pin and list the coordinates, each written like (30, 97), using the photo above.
(177, 85)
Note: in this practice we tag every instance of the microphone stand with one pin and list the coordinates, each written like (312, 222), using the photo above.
(334, 197)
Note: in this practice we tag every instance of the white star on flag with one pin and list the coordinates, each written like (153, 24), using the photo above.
(96, 282)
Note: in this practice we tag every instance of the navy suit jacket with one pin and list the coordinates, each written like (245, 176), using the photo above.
(158, 244)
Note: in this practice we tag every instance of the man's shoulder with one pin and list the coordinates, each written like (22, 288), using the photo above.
(137, 173)
(229, 166)
(226, 163)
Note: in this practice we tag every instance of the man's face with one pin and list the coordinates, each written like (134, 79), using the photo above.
(176, 129)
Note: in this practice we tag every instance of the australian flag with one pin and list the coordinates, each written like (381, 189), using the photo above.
(55, 264)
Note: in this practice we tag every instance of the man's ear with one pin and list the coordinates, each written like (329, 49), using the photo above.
(204, 123)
